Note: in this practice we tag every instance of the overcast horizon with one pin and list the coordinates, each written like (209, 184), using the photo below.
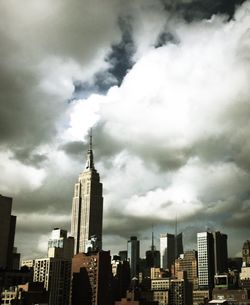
(165, 87)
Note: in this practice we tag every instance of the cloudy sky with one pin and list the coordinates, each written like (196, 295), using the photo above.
(165, 86)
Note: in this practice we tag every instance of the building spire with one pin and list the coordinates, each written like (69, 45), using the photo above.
(90, 156)
(152, 246)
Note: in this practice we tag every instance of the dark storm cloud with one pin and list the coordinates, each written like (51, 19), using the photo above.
(122, 53)
(119, 61)
(37, 41)
(74, 148)
(201, 9)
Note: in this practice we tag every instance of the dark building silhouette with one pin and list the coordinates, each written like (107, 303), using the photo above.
(123, 255)
(152, 256)
(121, 278)
(14, 278)
(28, 294)
(87, 206)
(134, 255)
(91, 278)
(9, 258)
(220, 252)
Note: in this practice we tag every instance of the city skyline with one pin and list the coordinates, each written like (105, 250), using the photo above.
(163, 84)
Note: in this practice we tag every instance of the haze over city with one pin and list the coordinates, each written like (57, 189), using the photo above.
(164, 85)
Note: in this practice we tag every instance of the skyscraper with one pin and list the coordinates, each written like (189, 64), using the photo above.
(167, 249)
(87, 206)
(7, 232)
(134, 255)
(171, 247)
(220, 252)
(152, 256)
(205, 245)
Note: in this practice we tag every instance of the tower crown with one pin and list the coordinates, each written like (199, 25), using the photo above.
(90, 156)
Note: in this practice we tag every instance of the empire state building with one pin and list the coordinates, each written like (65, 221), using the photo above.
(87, 206)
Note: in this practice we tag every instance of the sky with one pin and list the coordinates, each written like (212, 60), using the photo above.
(165, 87)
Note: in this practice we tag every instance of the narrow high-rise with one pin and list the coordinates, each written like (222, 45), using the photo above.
(205, 245)
(7, 234)
(87, 206)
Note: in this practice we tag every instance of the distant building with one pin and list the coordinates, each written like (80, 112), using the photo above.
(123, 255)
(59, 245)
(134, 256)
(87, 206)
(137, 298)
(91, 278)
(28, 263)
(152, 256)
(201, 297)
(246, 254)
(55, 273)
(234, 263)
(167, 250)
(8, 257)
(240, 296)
(245, 278)
(188, 262)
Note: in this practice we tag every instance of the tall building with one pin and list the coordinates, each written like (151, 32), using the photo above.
(7, 234)
(220, 252)
(205, 245)
(134, 256)
(87, 206)
(91, 278)
(171, 247)
(55, 270)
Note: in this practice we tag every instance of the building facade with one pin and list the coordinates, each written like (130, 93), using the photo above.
(188, 263)
(55, 273)
(87, 206)
(246, 254)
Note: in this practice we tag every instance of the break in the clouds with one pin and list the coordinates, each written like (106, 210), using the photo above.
(164, 84)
